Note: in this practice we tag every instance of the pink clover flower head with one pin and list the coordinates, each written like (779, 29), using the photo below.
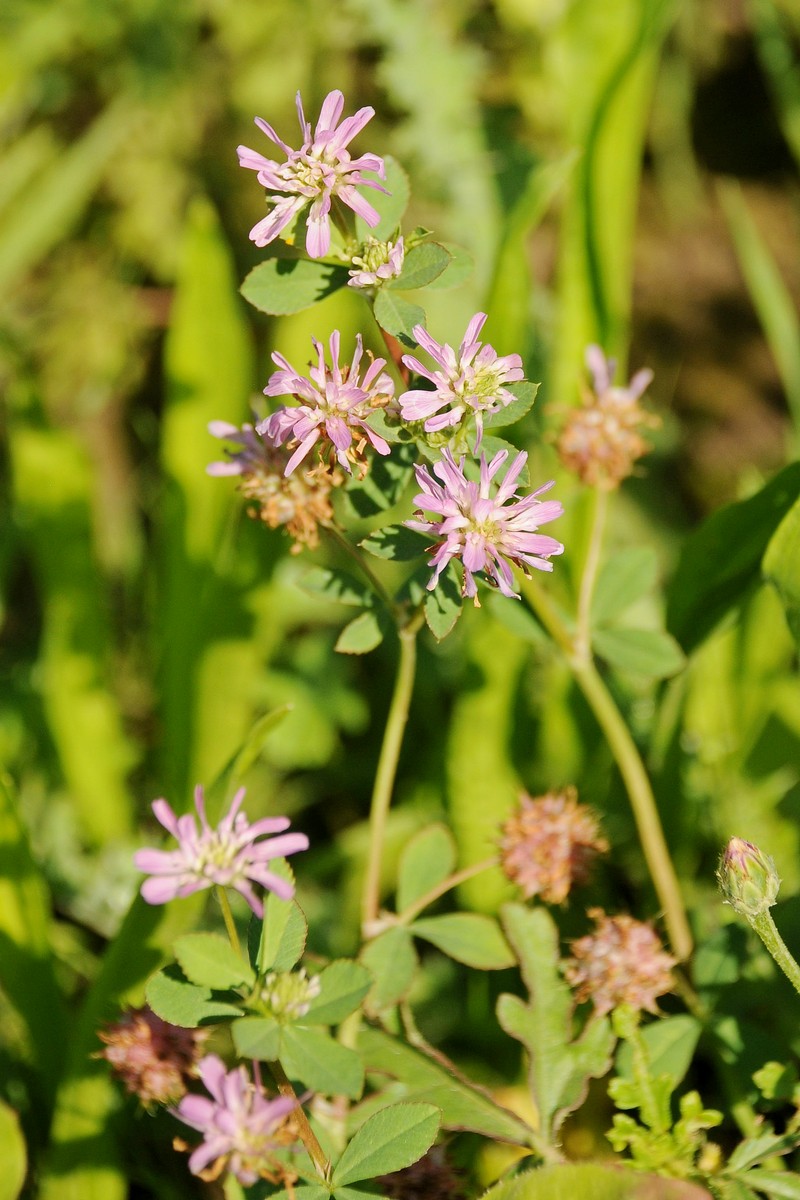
(377, 262)
(487, 532)
(241, 1128)
(622, 962)
(316, 174)
(335, 405)
(229, 855)
(602, 370)
(471, 380)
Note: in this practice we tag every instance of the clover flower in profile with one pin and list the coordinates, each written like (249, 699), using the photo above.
(229, 855)
(487, 532)
(471, 381)
(549, 844)
(318, 173)
(300, 501)
(152, 1058)
(748, 879)
(600, 441)
(622, 962)
(241, 1128)
(377, 262)
(335, 406)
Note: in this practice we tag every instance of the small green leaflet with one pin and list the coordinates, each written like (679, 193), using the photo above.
(390, 1140)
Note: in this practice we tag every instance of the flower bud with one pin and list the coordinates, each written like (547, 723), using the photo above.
(748, 878)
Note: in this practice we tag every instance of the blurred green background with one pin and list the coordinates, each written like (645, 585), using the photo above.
(624, 172)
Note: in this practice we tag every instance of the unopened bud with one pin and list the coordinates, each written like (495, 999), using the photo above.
(748, 878)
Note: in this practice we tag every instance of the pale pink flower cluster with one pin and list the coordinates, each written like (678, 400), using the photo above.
(228, 855)
(489, 529)
(316, 174)
(335, 405)
(470, 381)
(377, 262)
(622, 962)
(240, 1126)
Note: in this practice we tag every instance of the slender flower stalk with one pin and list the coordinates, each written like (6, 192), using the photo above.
(749, 882)
(632, 770)
(583, 636)
(386, 773)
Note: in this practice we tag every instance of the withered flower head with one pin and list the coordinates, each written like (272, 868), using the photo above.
(300, 501)
(622, 962)
(549, 844)
(152, 1058)
(600, 441)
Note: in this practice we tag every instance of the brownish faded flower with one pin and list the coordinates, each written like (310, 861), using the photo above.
(549, 844)
(600, 441)
(622, 962)
(152, 1058)
(300, 501)
(431, 1178)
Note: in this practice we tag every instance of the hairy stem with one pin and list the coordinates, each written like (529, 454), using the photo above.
(227, 916)
(632, 769)
(583, 636)
(307, 1135)
(372, 579)
(386, 772)
(767, 931)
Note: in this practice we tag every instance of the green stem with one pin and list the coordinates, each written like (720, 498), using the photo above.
(307, 1135)
(631, 767)
(227, 915)
(767, 931)
(583, 636)
(386, 772)
(372, 579)
(452, 881)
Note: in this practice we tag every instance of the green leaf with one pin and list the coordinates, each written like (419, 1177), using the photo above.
(257, 1037)
(647, 652)
(589, 1181)
(211, 961)
(422, 264)
(395, 542)
(320, 1062)
(457, 271)
(387, 478)
(347, 1193)
(784, 1184)
(13, 1154)
(670, 1043)
(343, 985)
(781, 566)
(469, 938)
(771, 298)
(398, 316)
(721, 561)
(29, 978)
(392, 961)
(524, 394)
(464, 1106)
(426, 861)
(757, 1149)
(626, 577)
(186, 1004)
(362, 634)
(390, 206)
(283, 285)
(335, 585)
(559, 1069)
(284, 929)
(444, 603)
(390, 1140)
